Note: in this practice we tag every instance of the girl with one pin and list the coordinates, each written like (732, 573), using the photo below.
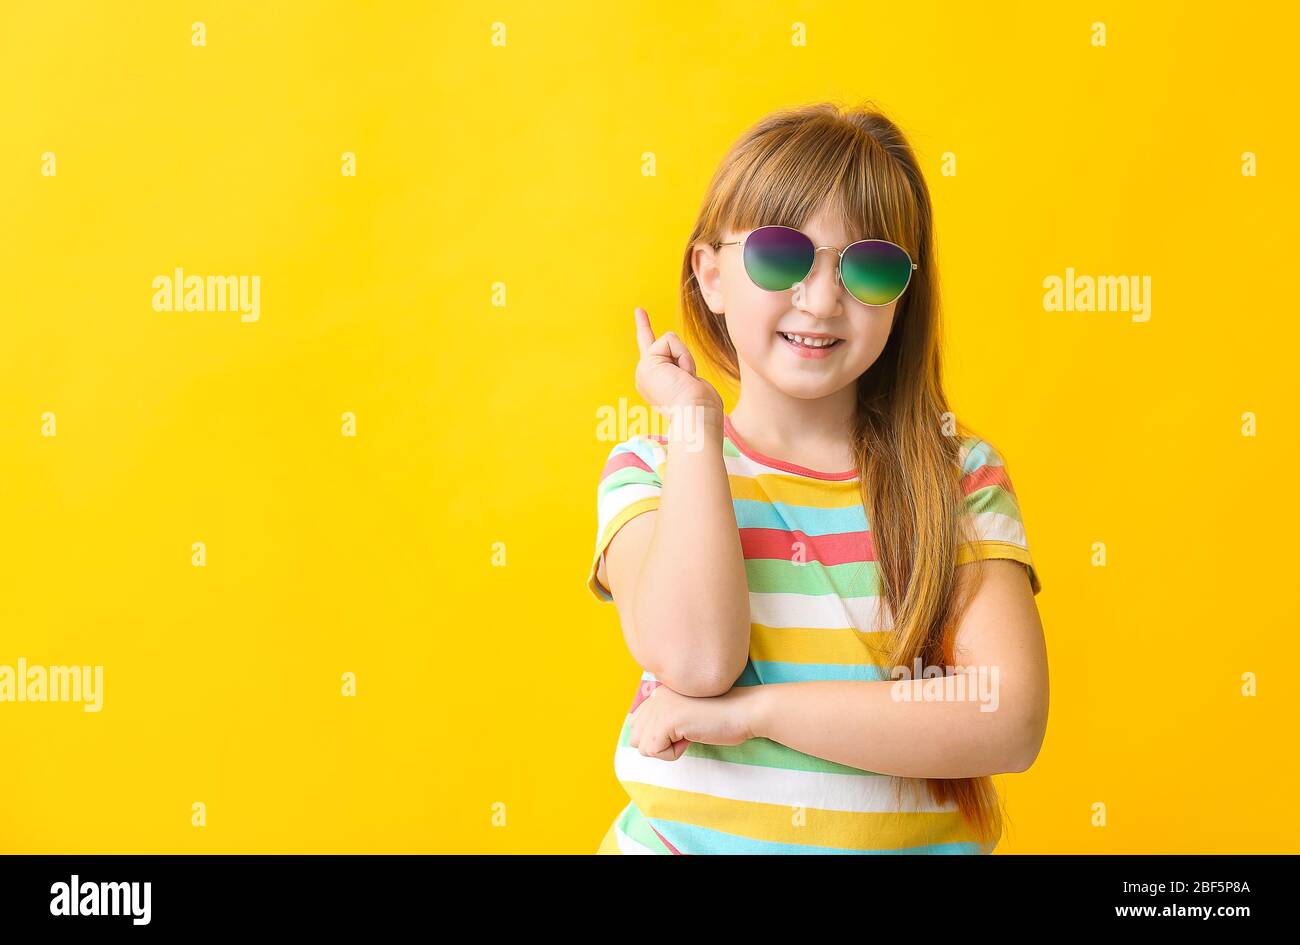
(829, 588)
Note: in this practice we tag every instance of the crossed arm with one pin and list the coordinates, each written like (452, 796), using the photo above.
(918, 728)
(938, 731)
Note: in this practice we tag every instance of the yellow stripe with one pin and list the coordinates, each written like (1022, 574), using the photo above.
(821, 828)
(991, 549)
(648, 504)
(815, 645)
(767, 487)
(984, 550)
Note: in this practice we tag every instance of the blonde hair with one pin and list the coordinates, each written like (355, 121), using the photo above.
(782, 170)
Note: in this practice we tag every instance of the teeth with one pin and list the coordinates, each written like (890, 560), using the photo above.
(810, 342)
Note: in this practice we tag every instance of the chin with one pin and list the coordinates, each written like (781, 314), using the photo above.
(804, 388)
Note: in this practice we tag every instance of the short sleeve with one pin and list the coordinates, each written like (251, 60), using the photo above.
(629, 484)
(992, 510)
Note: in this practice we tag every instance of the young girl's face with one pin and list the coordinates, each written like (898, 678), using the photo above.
(820, 305)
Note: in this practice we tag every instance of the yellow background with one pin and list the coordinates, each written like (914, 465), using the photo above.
(476, 424)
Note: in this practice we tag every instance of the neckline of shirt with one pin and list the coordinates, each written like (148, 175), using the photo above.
(755, 455)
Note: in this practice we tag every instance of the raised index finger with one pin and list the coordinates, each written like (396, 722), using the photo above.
(645, 335)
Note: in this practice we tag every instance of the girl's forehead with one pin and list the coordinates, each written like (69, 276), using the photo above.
(825, 226)
(830, 224)
(828, 234)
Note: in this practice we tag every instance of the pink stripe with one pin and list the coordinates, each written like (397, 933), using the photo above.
(754, 454)
(643, 691)
(665, 840)
(777, 544)
(986, 476)
(622, 461)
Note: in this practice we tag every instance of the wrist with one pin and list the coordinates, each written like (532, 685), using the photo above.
(694, 423)
(757, 710)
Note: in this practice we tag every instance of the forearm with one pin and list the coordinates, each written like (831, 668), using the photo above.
(691, 611)
(864, 725)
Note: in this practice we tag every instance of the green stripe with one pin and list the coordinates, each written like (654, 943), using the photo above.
(636, 827)
(778, 576)
(762, 752)
(992, 498)
(628, 474)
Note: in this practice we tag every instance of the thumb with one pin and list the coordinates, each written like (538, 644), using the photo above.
(678, 352)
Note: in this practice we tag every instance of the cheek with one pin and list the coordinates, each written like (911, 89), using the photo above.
(746, 298)
(752, 315)
(871, 336)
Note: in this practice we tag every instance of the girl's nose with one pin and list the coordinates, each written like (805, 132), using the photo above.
(814, 296)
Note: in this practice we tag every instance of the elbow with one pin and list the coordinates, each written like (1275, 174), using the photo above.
(692, 674)
(707, 665)
(695, 678)
(1026, 742)
(1020, 762)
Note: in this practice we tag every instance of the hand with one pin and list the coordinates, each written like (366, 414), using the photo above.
(665, 722)
(665, 375)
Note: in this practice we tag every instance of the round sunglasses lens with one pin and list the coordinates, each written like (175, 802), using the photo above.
(876, 272)
(776, 257)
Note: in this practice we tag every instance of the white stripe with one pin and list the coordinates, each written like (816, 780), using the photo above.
(985, 455)
(820, 611)
(615, 500)
(995, 526)
(742, 465)
(630, 846)
(815, 790)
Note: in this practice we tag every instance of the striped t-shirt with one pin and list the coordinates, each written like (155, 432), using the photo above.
(813, 616)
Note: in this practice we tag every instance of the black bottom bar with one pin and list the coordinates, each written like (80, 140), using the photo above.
(936, 895)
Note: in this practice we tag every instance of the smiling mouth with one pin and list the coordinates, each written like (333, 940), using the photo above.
(813, 344)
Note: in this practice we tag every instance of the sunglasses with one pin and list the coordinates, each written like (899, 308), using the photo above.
(777, 257)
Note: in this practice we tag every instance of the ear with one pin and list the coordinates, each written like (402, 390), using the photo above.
(708, 276)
